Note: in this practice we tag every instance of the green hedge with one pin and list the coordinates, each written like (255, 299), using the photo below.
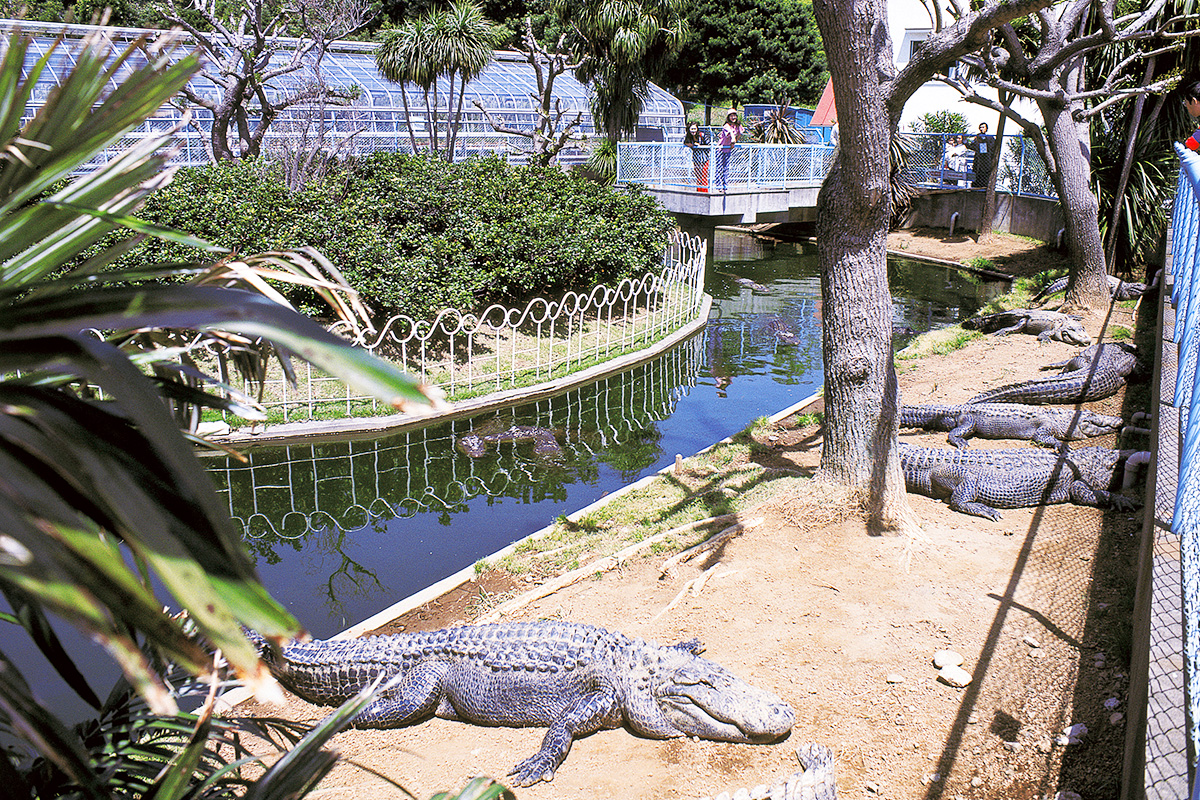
(414, 234)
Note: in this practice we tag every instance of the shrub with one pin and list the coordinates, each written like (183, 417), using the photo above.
(414, 234)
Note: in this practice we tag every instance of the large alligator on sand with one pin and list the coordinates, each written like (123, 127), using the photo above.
(1008, 421)
(1097, 372)
(1046, 325)
(1119, 289)
(544, 444)
(980, 481)
(572, 678)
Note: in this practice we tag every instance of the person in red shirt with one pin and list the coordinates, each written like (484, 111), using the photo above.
(1191, 101)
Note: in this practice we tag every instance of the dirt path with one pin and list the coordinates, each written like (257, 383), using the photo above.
(811, 607)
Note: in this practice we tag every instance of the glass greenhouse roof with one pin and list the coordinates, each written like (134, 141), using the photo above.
(504, 89)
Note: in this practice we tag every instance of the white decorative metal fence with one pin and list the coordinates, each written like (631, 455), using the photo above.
(470, 354)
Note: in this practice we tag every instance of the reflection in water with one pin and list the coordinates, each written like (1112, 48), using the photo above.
(342, 530)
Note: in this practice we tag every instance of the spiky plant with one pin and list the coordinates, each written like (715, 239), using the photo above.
(102, 500)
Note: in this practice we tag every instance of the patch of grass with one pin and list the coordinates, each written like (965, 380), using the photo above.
(981, 262)
(805, 420)
(1120, 332)
(939, 342)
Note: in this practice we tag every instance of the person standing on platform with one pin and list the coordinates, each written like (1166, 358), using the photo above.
(730, 132)
(984, 147)
(697, 139)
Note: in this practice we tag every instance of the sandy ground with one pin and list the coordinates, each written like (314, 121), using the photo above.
(811, 607)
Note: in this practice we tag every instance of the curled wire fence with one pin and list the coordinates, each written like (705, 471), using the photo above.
(469, 354)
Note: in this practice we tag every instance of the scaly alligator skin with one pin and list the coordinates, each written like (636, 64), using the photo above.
(1097, 372)
(1046, 325)
(1045, 426)
(545, 445)
(751, 285)
(815, 782)
(1119, 289)
(572, 678)
(980, 481)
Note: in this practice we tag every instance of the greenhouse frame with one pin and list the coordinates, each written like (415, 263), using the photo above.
(375, 119)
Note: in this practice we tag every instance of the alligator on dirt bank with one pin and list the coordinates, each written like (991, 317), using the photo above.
(572, 678)
(980, 481)
(544, 444)
(1046, 325)
(1008, 421)
(1119, 289)
(1097, 372)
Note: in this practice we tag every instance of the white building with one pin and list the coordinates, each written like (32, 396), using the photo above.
(910, 23)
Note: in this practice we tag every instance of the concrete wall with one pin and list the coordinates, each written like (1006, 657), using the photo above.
(1035, 217)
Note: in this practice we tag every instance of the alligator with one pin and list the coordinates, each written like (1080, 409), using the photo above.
(545, 445)
(980, 481)
(816, 781)
(1119, 289)
(1046, 325)
(751, 285)
(782, 331)
(1096, 372)
(1008, 421)
(572, 678)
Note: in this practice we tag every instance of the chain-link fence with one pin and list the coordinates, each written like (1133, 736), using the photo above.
(931, 161)
(764, 167)
(1172, 733)
(745, 167)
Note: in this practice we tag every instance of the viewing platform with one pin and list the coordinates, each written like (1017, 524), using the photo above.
(765, 182)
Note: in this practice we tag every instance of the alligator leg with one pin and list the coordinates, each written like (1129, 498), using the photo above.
(1084, 495)
(1017, 328)
(415, 697)
(586, 715)
(963, 487)
(958, 436)
(1045, 438)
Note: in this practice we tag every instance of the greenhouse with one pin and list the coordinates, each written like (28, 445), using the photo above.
(375, 119)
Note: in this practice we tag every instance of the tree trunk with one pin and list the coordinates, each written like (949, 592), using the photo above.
(1088, 287)
(988, 216)
(853, 210)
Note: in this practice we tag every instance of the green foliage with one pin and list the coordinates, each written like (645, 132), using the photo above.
(415, 235)
(762, 51)
(980, 262)
(940, 122)
(624, 44)
(106, 511)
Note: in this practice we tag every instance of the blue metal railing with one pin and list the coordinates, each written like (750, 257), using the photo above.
(758, 167)
(1185, 520)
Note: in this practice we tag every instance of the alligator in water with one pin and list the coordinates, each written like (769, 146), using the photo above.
(1008, 421)
(1119, 289)
(572, 678)
(1046, 325)
(751, 285)
(782, 331)
(1097, 372)
(980, 481)
(544, 444)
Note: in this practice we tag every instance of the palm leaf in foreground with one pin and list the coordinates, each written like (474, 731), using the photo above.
(102, 501)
